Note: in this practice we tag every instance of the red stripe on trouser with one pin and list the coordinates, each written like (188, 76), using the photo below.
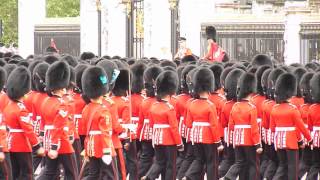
(122, 164)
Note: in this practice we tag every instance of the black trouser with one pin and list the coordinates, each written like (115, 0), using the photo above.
(5, 168)
(36, 160)
(77, 151)
(98, 170)
(146, 158)
(22, 167)
(68, 161)
(181, 156)
(315, 168)
(206, 158)
(306, 161)
(264, 160)
(228, 160)
(82, 138)
(245, 157)
(189, 157)
(272, 163)
(132, 160)
(288, 164)
(164, 164)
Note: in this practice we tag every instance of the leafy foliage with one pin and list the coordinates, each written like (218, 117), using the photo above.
(63, 8)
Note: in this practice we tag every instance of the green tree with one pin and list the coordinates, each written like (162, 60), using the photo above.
(9, 17)
(63, 8)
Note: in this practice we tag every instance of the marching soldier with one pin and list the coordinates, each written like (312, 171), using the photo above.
(55, 114)
(246, 136)
(144, 130)
(5, 162)
(215, 52)
(98, 143)
(314, 126)
(165, 138)
(298, 100)
(21, 139)
(286, 123)
(306, 158)
(205, 134)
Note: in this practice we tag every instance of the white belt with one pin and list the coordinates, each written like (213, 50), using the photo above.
(134, 118)
(51, 127)
(285, 128)
(306, 126)
(95, 132)
(161, 126)
(259, 120)
(78, 116)
(242, 126)
(16, 130)
(316, 128)
(38, 118)
(200, 124)
(120, 120)
(3, 127)
(146, 121)
(128, 126)
(66, 128)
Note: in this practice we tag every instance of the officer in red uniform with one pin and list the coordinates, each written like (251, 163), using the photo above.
(144, 130)
(286, 123)
(203, 120)
(55, 117)
(5, 162)
(39, 74)
(98, 143)
(21, 138)
(215, 52)
(166, 138)
(119, 93)
(306, 158)
(246, 136)
(298, 100)
(230, 88)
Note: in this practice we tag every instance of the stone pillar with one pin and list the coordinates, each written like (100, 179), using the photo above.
(30, 13)
(89, 26)
(157, 34)
(192, 14)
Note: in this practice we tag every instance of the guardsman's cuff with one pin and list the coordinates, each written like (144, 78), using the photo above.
(41, 133)
(54, 147)
(71, 138)
(300, 143)
(36, 147)
(107, 151)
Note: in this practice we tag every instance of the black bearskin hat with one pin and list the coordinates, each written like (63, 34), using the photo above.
(166, 84)
(169, 68)
(203, 81)
(165, 63)
(224, 75)
(179, 71)
(247, 85)
(264, 82)
(3, 78)
(217, 71)
(211, 33)
(23, 63)
(231, 84)
(39, 76)
(305, 87)
(72, 61)
(272, 78)
(122, 83)
(2, 62)
(298, 73)
(286, 87)
(79, 72)
(150, 75)
(184, 84)
(57, 76)
(137, 71)
(252, 70)
(94, 82)
(311, 66)
(50, 59)
(188, 58)
(261, 59)
(315, 88)
(259, 74)
(87, 56)
(18, 83)
(190, 83)
(110, 68)
(9, 68)
(72, 82)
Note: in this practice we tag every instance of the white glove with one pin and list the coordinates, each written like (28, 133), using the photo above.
(107, 159)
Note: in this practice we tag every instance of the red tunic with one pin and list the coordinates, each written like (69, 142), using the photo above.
(144, 130)
(136, 101)
(123, 105)
(73, 134)
(79, 104)
(218, 100)
(225, 113)
(243, 123)
(38, 99)
(116, 127)
(314, 123)
(55, 117)
(286, 123)
(257, 100)
(164, 122)
(99, 138)
(202, 118)
(297, 101)
(21, 137)
(181, 109)
(4, 100)
(187, 130)
(267, 135)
